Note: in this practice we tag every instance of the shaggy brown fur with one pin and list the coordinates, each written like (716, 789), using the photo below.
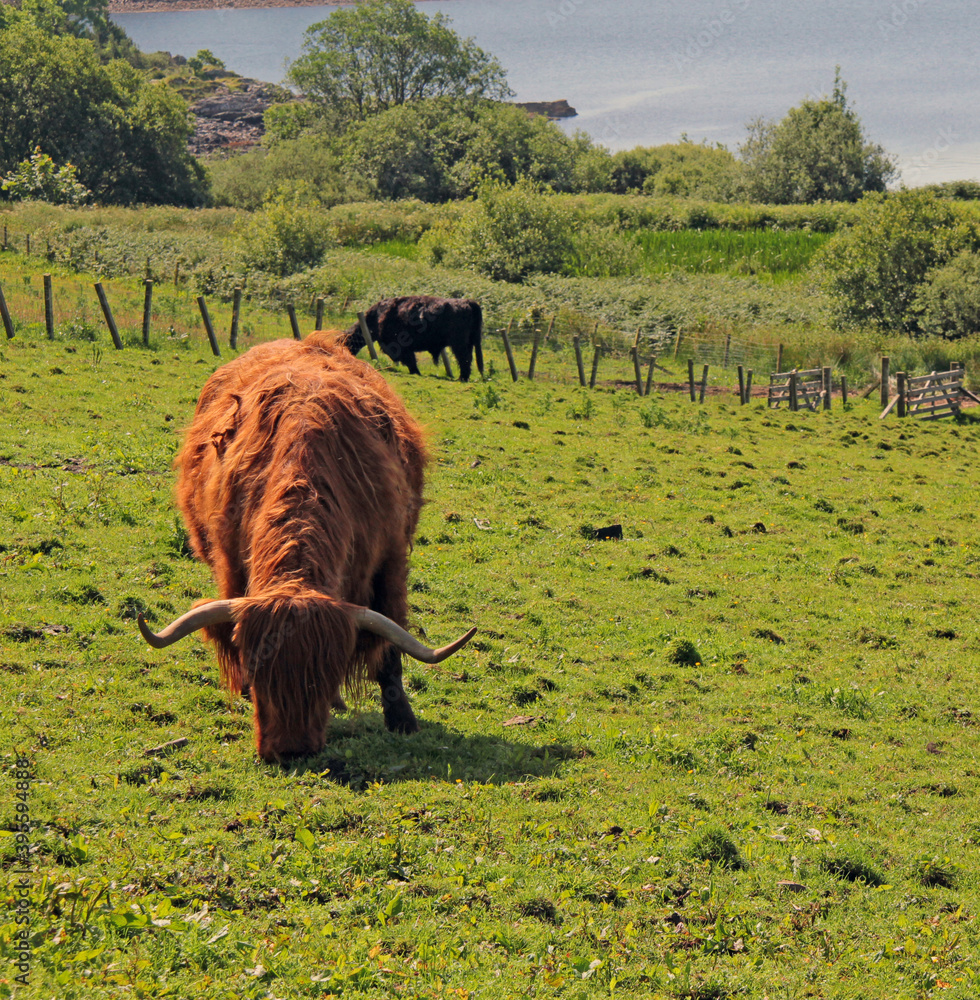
(300, 482)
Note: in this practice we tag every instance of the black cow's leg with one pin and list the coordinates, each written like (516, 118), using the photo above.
(398, 714)
(409, 359)
(464, 358)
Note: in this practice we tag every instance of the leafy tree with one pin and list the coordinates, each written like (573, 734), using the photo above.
(875, 269)
(818, 152)
(42, 179)
(948, 302)
(82, 18)
(383, 53)
(127, 138)
(441, 149)
(205, 60)
(250, 179)
(684, 169)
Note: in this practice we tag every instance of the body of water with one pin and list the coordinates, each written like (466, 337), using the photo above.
(645, 72)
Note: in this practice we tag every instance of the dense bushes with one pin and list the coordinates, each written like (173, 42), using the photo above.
(127, 138)
(948, 302)
(306, 164)
(514, 231)
(878, 269)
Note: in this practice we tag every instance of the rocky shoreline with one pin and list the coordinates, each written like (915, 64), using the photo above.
(230, 121)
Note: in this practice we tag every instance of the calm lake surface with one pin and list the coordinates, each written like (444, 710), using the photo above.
(644, 72)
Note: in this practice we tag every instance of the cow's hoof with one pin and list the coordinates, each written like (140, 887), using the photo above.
(401, 720)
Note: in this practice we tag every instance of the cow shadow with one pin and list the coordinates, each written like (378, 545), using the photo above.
(360, 751)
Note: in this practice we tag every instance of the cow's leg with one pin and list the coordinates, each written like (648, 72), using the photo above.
(389, 597)
(464, 358)
(398, 714)
(408, 356)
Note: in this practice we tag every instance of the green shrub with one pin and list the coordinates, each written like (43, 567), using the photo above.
(250, 179)
(41, 178)
(875, 269)
(288, 235)
(603, 252)
(948, 302)
(514, 231)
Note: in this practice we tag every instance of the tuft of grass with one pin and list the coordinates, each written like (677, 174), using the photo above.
(716, 845)
(682, 652)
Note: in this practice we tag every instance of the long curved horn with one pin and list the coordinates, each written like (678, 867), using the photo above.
(373, 621)
(212, 613)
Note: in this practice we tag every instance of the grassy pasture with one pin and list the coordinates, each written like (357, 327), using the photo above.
(741, 758)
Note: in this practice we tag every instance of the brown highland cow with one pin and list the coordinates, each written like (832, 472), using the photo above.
(300, 482)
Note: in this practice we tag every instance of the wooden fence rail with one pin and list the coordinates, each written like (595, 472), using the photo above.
(930, 397)
(808, 387)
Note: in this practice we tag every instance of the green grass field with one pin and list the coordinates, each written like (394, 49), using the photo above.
(776, 253)
(731, 755)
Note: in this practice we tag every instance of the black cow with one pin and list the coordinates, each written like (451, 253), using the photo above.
(424, 323)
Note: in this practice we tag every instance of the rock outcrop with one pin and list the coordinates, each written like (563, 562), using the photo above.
(550, 109)
(230, 120)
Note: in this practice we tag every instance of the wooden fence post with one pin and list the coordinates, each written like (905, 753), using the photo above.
(206, 316)
(748, 385)
(843, 390)
(27, 243)
(293, 321)
(535, 345)
(446, 364)
(48, 306)
(728, 347)
(794, 402)
(704, 383)
(649, 385)
(900, 378)
(595, 365)
(827, 385)
(779, 358)
(236, 312)
(8, 323)
(677, 344)
(885, 365)
(366, 334)
(318, 322)
(741, 385)
(147, 309)
(577, 344)
(636, 371)
(505, 334)
(107, 313)
(690, 377)
(176, 272)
